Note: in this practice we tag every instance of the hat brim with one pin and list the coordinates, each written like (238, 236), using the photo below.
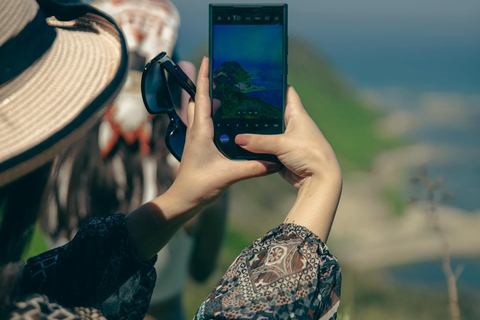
(62, 95)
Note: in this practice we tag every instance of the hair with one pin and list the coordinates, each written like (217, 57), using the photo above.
(84, 184)
(19, 203)
(19, 207)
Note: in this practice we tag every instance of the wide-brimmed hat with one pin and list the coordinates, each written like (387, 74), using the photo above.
(61, 65)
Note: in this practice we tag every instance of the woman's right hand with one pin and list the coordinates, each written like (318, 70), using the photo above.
(310, 166)
(302, 149)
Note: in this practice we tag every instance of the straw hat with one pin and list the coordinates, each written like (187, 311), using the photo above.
(61, 65)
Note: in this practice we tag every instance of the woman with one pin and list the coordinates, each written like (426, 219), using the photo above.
(107, 269)
(123, 161)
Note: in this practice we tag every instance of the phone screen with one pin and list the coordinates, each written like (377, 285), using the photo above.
(247, 72)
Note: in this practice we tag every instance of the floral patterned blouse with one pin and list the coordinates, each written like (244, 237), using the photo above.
(287, 274)
(95, 275)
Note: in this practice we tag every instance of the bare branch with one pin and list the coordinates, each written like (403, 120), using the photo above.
(432, 187)
(458, 271)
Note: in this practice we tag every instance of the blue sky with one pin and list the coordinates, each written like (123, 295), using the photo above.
(423, 44)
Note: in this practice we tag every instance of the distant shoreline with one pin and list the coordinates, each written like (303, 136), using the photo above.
(367, 236)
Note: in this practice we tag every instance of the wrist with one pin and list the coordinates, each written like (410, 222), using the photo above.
(176, 204)
(316, 203)
(317, 191)
(328, 179)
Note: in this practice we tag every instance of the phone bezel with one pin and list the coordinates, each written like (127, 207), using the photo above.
(241, 154)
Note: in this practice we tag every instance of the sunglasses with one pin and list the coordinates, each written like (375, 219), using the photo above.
(158, 99)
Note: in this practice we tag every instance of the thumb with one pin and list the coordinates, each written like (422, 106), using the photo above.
(259, 143)
(254, 168)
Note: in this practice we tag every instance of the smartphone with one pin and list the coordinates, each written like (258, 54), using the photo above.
(248, 73)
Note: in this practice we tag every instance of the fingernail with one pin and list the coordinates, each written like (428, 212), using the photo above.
(242, 139)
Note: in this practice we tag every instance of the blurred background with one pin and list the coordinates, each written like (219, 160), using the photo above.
(394, 86)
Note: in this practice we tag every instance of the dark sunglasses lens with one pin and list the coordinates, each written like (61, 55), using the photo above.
(175, 138)
(156, 90)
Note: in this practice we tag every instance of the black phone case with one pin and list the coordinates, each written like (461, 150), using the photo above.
(240, 153)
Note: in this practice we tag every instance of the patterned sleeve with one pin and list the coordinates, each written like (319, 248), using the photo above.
(98, 268)
(287, 274)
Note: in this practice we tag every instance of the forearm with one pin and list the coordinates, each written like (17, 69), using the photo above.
(316, 204)
(153, 224)
(204, 174)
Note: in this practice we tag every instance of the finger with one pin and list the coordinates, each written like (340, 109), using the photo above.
(259, 143)
(253, 168)
(294, 104)
(293, 97)
(190, 113)
(202, 97)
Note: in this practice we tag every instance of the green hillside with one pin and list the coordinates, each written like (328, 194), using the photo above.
(333, 104)
(347, 124)
(345, 121)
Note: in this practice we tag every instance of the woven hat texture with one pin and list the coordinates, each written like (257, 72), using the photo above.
(60, 95)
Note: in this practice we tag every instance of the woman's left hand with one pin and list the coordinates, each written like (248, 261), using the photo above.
(203, 176)
(204, 172)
